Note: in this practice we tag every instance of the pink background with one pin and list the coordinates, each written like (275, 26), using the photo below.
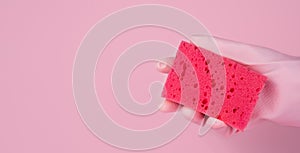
(38, 45)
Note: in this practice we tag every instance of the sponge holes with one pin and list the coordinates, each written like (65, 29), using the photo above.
(232, 65)
(234, 110)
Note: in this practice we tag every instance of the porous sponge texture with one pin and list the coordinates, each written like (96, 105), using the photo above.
(213, 85)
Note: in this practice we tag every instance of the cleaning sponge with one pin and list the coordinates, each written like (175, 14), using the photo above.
(213, 85)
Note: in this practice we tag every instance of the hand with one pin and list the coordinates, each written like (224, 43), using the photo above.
(279, 101)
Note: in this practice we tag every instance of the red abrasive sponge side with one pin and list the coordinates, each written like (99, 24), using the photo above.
(239, 90)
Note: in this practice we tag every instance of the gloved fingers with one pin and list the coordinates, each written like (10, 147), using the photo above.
(196, 117)
(225, 131)
(218, 124)
(164, 65)
(190, 114)
(206, 125)
(241, 52)
(169, 106)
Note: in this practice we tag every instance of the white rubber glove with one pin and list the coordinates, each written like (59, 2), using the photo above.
(279, 101)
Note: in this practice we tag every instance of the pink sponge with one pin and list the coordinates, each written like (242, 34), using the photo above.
(213, 85)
